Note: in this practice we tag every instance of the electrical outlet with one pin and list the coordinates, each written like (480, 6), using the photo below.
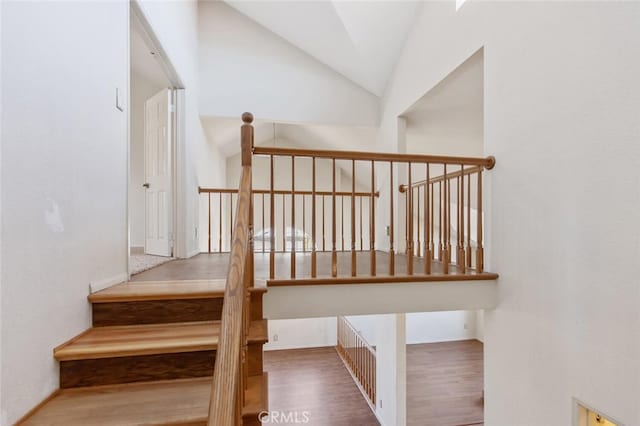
(275, 337)
(466, 326)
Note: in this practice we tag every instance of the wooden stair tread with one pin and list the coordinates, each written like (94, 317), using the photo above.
(131, 340)
(163, 290)
(171, 402)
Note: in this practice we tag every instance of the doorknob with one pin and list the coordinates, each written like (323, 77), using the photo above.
(146, 185)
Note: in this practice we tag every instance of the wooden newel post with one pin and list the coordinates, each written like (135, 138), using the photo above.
(246, 138)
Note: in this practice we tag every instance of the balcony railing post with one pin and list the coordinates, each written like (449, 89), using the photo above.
(372, 226)
(313, 219)
(392, 255)
(294, 233)
(353, 218)
(409, 222)
(334, 253)
(479, 249)
(427, 224)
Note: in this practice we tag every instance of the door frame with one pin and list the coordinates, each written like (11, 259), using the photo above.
(176, 87)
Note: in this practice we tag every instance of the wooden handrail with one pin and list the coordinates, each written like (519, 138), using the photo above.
(454, 175)
(202, 190)
(227, 392)
(487, 162)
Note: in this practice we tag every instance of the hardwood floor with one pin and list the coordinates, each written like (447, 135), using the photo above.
(444, 384)
(213, 266)
(315, 380)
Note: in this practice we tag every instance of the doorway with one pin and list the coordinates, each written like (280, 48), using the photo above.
(154, 94)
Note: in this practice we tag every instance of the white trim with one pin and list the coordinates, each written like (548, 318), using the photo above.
(108, 282)
(577, 404)
(193, 253)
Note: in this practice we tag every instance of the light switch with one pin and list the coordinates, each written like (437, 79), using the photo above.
(119, 100)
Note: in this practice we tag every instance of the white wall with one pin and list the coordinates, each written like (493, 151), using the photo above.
(480, 325)
(3, 419)
(64, 177)
(301, 333)
(429, 327)
(141, 90)
(424, 327)
(561, 101)
(245, 67)
(199, 162)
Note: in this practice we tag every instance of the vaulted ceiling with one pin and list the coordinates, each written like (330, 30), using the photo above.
(360, 40)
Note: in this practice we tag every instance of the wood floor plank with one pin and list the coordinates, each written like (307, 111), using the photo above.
(213, 266)
(315, 381)
(444, 383)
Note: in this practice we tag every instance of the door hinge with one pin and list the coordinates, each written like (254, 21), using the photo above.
(172, 108)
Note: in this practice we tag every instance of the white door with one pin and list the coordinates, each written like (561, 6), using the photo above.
(157, 171)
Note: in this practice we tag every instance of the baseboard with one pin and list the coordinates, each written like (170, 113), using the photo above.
(107, 282)
(136, 250)
(192, 253)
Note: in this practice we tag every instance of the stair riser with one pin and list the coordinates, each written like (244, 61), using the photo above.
(166, 311)
(156, 312)
(130, 369)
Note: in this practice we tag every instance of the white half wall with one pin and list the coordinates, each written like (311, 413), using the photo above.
(301, 333)
(64, 180)
(561, 102)
(245, 67)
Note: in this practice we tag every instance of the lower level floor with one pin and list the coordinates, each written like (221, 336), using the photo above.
(444, 386)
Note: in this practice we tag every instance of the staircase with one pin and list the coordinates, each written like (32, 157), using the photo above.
(149, 358)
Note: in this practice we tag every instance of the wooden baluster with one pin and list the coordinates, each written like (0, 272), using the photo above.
(361, 230)
(427, 224)
(272, 224)
(334, 253)
(220, 222)
(418, 222)
(230, 220)
(294, 234)
(469, 221)
(353, 218)
(433, 207)
(304, 228)
(313, 218)
(440, 223)
(209, 222)
(460, 257)
(324, 239)
(479, 248)
(372, 226)
(445, 231)
(392, 254)
(409, 222)
(342, 221)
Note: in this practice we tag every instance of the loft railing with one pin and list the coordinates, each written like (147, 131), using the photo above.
(230, 373)
(219, 226)
(359, 357)
(400, 168)
(429, 203)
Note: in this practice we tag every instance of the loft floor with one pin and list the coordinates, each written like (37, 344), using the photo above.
(214, 266)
